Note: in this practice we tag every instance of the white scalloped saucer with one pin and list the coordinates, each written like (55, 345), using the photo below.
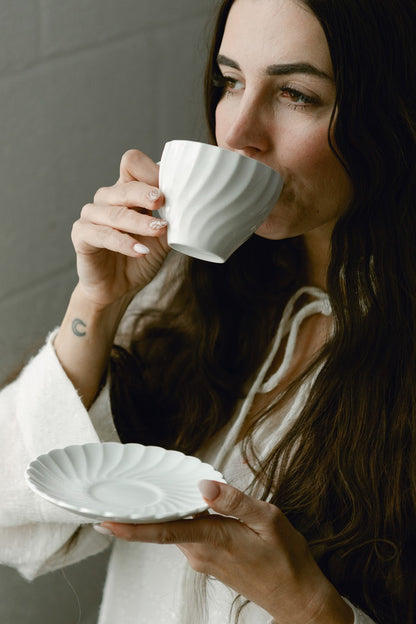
(121, 482)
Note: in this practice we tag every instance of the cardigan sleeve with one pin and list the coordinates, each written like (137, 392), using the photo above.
(40, 411)
(359, 616)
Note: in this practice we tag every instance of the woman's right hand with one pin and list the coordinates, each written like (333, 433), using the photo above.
(109, 264)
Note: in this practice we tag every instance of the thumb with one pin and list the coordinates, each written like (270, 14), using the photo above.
(228, 501)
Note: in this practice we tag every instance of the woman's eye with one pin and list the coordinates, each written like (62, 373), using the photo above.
(297, 99)
(232, 84)
(228, 84)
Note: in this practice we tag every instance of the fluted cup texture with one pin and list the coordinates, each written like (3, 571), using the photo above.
(215, 198)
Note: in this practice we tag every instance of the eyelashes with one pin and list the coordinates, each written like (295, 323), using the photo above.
(298, 98)
(225, 83)
(220, 81)
(292, 96)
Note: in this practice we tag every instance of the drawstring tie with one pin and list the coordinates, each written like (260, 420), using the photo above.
(288, 325)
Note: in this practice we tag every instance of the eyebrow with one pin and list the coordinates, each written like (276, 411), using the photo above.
(283, 69)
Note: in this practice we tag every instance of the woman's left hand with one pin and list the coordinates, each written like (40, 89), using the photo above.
(255, 550)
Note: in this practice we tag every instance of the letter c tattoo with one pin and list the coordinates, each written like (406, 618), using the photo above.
(76, 323)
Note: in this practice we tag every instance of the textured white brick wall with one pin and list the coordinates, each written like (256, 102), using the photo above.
(81, 81)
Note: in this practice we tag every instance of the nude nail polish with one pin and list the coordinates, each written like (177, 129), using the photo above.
(141, 249)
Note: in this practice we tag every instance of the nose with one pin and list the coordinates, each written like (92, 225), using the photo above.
(249, 130)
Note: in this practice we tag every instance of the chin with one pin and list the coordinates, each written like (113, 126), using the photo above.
(274, 229)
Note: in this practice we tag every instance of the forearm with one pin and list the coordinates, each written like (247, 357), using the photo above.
(83, 343)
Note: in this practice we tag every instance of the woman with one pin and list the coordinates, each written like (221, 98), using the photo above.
(291, 367)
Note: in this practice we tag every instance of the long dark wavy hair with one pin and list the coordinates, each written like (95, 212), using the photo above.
(347, 467)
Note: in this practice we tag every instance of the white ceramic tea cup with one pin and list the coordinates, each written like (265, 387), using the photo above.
(215, 198)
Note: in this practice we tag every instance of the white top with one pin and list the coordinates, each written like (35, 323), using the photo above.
(146, 583)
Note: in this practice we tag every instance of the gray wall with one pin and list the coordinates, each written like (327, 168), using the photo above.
(81, 81)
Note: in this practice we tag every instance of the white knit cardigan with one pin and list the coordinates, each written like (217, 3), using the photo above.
(40, 411)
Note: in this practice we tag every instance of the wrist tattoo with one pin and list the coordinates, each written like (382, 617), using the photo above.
(76, 325)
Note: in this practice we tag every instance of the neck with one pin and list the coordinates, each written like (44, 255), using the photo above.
(318, 253)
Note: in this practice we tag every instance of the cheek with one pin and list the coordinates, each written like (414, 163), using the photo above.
(304, 151)
(310, 164)
(221, 124)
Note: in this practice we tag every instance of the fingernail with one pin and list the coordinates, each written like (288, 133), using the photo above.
(141, 249)
(209, 489)
(154, 194)
(102, 530)
(158, 224)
